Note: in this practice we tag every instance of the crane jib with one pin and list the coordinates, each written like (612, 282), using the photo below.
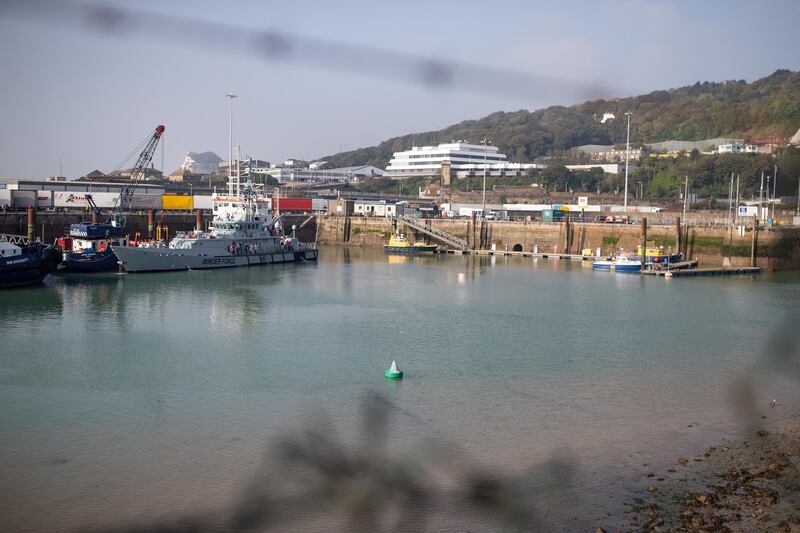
(126, 195)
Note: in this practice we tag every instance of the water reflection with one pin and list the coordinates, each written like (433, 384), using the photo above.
(30, 303)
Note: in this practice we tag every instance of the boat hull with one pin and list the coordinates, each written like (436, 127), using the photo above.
(105, 261)
(29, 268)
(409, 249)
(134, 259)
(610, 266)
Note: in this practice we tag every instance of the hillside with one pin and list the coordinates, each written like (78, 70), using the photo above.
(769, 106)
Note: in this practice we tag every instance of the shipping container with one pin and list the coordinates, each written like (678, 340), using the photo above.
(201, 202)
(319, 204)
(44, 199)
(294, 204)
(176, 203)
(103, 200)
(23, 198)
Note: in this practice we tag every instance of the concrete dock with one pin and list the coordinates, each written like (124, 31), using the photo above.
(543, 255)
(706, 271)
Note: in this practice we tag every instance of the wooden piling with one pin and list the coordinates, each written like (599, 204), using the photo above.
(198, 220)
(753, 242)
(31, 222)
(151, 222)
(644, 243)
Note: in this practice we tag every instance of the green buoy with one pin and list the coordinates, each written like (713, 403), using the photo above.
(393, 372)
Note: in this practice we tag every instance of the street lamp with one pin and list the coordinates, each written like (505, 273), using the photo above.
(230, 97)
(485, 148)
(627, 157)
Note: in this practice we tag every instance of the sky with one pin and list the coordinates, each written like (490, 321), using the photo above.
(78, 97)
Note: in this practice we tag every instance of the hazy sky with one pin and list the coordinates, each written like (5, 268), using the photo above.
(87, 97)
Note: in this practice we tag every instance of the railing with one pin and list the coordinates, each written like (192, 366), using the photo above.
(440, 235)
(19, 240)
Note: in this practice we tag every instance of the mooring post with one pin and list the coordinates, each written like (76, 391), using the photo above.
(644, 243)
(753, 243)
(678, 234)
(31, 221)
(198, 220)
(151, 222)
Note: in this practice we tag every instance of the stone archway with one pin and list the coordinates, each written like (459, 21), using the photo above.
(517, 247)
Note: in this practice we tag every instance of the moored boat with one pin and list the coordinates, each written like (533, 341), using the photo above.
(656, 254)
(620, 263)
(23, 262)
(398, 244)
(242, 233)
(88, 246)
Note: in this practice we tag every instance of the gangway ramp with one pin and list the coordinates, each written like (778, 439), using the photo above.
(441, 236)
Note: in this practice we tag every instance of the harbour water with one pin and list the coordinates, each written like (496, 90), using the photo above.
(132, 397)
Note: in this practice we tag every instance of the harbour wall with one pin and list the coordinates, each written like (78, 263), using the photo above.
(777, 249)
(48, 225)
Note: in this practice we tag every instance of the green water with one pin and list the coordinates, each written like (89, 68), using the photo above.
(126, 397)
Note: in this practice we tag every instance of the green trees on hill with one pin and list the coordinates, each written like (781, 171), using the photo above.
(769, 106)
(709, 175)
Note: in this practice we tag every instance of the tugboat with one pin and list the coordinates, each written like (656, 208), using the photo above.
(88, 247)
(23, 262)
(398, 244)
(242, 233)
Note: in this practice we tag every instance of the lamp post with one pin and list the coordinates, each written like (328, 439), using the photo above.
(485, 149)
(627, 158)
(230, 97)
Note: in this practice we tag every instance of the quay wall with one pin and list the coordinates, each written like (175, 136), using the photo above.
(777, 249)
(49, 225)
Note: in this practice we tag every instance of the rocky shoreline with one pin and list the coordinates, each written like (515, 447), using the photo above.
(752, 484)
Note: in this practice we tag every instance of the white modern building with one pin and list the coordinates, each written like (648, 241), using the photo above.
(464, 160)
(737, 148)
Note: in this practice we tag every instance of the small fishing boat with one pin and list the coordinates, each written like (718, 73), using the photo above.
(398, 244)
(23, 262)
(620, 263)
(656, 254)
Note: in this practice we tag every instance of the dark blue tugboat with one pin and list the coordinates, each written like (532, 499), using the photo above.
(87, 248)
(25, 263)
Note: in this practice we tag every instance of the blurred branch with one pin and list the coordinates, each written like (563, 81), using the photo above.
(276, 46)
(313, 479)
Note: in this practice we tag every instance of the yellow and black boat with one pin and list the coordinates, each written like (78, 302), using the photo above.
(398, 244)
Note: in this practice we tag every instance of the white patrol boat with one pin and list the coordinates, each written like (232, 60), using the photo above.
(242, 233)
